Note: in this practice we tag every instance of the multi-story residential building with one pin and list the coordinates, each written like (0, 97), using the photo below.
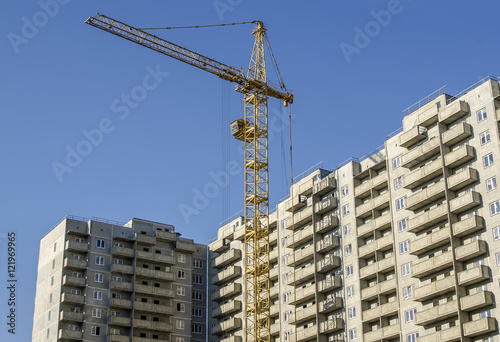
(401, 245)
(105, 281)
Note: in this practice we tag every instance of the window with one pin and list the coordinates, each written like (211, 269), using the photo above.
(412, 337)
(99, 278)
(396, 162)
(496, 233)
(348, 250)
(95, 331)
(410, 315)
(196, 329)
(118, 261)
(406, 269)
(484, 137)
(52, 281)
(55, 246)
(181, 291)
(116, 278)
(349, 270)
(347, 229)
(352, 312)
(99, 260)
(77, 292)
(48, 333)
(78, 257)
(96, 313)
(494, 208)
(485, 314)
(287, 334)
(98, 295)
(481, 115)
(398, 182)
(400, 203)
(179, 324)
(77, 274)
(114, 331)
(491, 183)
(181, 258)
(198, 279)
(345, 190)
(408, 292)
(100, 243)
(404, 246)
(345, 210)
(197, 295)
(48, 316)
(352, 334)
(350, 291)
(119, 244)
(181, 274)
(284, 259)
(286, 315)
(402, 224)
(181, 307)
(283, 242)
(285, 296)
(73, 327)
(198, 263)
(197, 312)
(179, 339)
(488, 160)
(80, 240)
(53, 263)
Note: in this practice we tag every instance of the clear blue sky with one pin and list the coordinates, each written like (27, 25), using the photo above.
(352, 65)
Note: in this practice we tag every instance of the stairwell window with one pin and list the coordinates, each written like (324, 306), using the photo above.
(400, 203)
(345, 190)
(404, 247)
(488, 160)
(349, 270)
(98, 278)
(345, 210)
(402, 224)
(350, 291)
(496, 233)
(181, 307)
(197, 329)
(99, 260)
(396, 162)
(412, 337)
(406, 269)
(410, 315)
(348, 250)
(97, 295)
(181, 258)
(353, 335)
(347, 229)
(352, 312)
(96, 313)
(481, 114)
(398, 183)
(408, 292)
(491, 183)
(100, 243)
(179, 324)
(181, 274)
(494, 208)
(484, 137)
(95, 331)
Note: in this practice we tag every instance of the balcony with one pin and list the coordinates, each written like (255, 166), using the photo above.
(145, 239)
(73, 281)
(383, 265)
(227, 326)
(423, 174)
(304, 294)
(471, 250)
(154, 291)
(274, 273)
(119, 338)
(325, 185)
(121, 303)
(227, 258)
(325, 205)
(305, 334)
(437, 313)
(185, 246)
(71, 316)
(454, 111)
(421, 153)
(124, 252)
(365, 209)
(427, 115)
(295, 203)
(459, 156)
(221, 245)
(331, 326)
(303, 314)
(382, 244)
(432, 265)
(273, 236)
(69, 298)
(152, 325)
(301, 236)
(227, 309)
(465, 202)
(381, 288)
(451, 334)
(462, 179)
(427, 219)
(75, 263)
(304, 274)
(363, 189)
(434, 289)
(239, 234)
(328, 243)
(124, 286)
(153, 274)
(275, 329)
(226, 292)
(329, 263)
(477, 301)
(329, 283)
(426, 196)
(121, 268)
(379, 181)
(383, 334)
(468, 226)
(274, 292)
(143, 339)
(380, 202)
(430, 241)
(386, 309)
(329, 305)
(299, 218)
(226, 275)
(481, 326)
(380, 222)
(233, 339)
(412, 136)
(155, 257)
(473, 275)
(456, 134)
(306, 188)
(121, 321)
(327, 223)
(166, 236)
(154, 308)
(70, 335)
(274, 310)
(78, 247)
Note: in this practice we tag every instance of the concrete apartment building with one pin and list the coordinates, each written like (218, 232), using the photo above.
(105, 281)
(402, 245)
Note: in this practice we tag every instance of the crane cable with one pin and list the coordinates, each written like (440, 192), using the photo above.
(282, 84)
(196, 26)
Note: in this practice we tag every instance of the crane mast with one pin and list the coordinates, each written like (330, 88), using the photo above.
(253, 131)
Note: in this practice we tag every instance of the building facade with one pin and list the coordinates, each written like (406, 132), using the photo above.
(403, 245)
(104, 281)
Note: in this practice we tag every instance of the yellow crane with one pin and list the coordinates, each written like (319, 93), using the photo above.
(253, 132)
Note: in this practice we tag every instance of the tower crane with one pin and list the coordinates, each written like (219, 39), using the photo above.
(253, 132)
